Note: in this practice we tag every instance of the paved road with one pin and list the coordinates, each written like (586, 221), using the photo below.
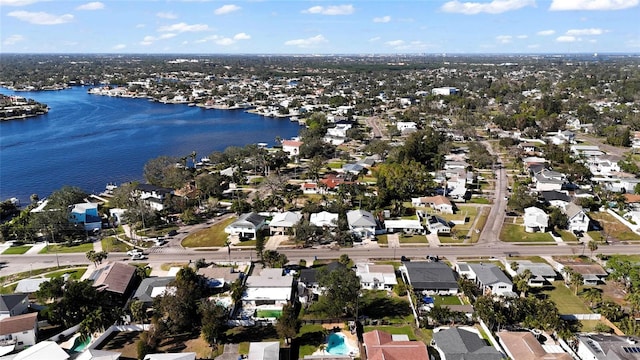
(20, 263)
(491, 232)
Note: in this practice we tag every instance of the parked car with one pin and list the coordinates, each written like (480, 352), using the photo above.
(173, 233)
(138, 256)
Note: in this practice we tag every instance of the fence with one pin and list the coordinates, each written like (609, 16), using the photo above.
(112, 328)
(574, 317)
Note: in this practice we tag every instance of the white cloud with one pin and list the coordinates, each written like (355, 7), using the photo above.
(184, 27)
(522, 36)
(493, 7)
(96, 5)
(41, 18)
(226, 9)
(409, 46)
(166, 15)
(331, 10)
(119, 47)
(17, 2)
(13, 39)
(148, 40)
(308, 42)
(384, 19)
(374, 39)
(580, 32)
(395, 43)
(533, 46)
(563, 5)
(166, 36)
(241, 36)
(546, 32)
(504, 39)
(566, 38)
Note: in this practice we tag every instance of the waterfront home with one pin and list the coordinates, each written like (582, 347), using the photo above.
(461, 344)
(488, 277)
(13, 304)
(608, 346)
(376, 277)
(247, 226)
(430, 277)
(152, 195)
(284, 222)
(523, 345)
(86, 214)
(361, 223)
(21, 331)
(380, 345)
(535, 220)
(291, 147)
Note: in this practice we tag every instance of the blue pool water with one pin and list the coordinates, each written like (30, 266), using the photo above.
(336, 344)
(80, 343)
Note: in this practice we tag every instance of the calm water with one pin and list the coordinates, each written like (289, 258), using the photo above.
(90, 140)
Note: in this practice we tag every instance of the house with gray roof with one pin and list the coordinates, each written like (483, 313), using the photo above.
(608, 347)
(219, 276)
(266, 350)
(461, 344)
(284, 222)
(438, 225)
(430, 277)
(542, 274)
(247, 226)
(361, 223)
(13, 304)
(152, 287)
(578, 220)
(555, 198)
(489, 278)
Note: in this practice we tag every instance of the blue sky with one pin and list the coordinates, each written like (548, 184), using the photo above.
(320, 27)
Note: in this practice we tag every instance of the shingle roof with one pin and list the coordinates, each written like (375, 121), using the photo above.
(360, 218)
(431, 275)
(8, 302)
(252, 218)
(310, 276)
(460, 344)
(113, 276)
(18, 323)
(489, 274)
(524, 346)
(145, 291)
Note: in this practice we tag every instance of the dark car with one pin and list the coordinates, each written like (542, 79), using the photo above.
(173, 233)
(404, 259)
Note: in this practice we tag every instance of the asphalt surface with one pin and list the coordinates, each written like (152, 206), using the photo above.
(491, 232)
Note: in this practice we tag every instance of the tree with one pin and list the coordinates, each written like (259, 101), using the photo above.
(558, 219)
(67, 196)
(593, 295)
(136, 308)
(611, 310)
(521, 281)
(342, 289)
(573, 278)
(288, 324)
(96, 257)
(214, 321)
(179, 309)
(344, 259)
(260, 243)
(274, 259)
(593, 246)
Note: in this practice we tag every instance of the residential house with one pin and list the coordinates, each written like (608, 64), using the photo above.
(284, 222)
(578, 220)
(592, 273)
(113, 276)
(380, 345)
(461, 344)
(430, 277)
(154, 196)
(488, 277)
(361, 223)
(542, 274)
(535, 220)
(556, 198)
(49, 350)
(548, 180)
(438, 225)
(406, 127)
(376, 277)
(406, 226)
(353, 169)
(339, 131)
(605, 165)
(308, 282)
(267, 350)
(324, 219)
(310, 188)
(152, 287)
(332, 181)
(270, 290)
(523, 345)
(444, 91)
(28, 286)
(608, 347)
(563, 137)
(13, 304)
(86, 214)
(21, 331)
(171, 356)
(585, 151)
(291, 147)
(529, 147)
(440, 203)
(219, 276)
(246, 226)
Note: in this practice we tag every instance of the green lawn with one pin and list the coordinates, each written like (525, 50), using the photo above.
(565, 300)
(568, 236)
(412, 239)
(382, 239)
(446, 300)
(62, 249)
(516, 233)
(75, 274)
(482, 220)
(309, 339)
(111, 244)
(479, 200)
(613, 227)
(17, 250)
(269, 313)
(210, 237)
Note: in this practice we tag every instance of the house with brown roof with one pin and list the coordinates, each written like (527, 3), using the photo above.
(440, 203)
(523, 345)
(218, 277)
(380, 345)
(592, 273)
(113, 276)
(20, 331)
(291, 147)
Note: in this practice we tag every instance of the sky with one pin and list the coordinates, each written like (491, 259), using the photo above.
(320, 27)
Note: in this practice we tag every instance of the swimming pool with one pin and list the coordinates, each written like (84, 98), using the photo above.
(336, 344)
(80, 343)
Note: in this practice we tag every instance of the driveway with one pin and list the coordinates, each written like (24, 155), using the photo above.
(230, 352)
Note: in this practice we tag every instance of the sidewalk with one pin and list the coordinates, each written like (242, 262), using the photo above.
(36, 248)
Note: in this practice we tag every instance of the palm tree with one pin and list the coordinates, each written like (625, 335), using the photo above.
(593, 295)
(573, 278)
(521, 281)
(593, 246)
(193, 158)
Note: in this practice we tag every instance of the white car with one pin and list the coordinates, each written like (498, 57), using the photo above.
(134, 252)
(139, 256)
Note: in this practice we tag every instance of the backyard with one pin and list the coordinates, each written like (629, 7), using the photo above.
(565, 300)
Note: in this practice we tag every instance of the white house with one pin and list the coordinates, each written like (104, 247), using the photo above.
(339, 131)
(488, 277)
(405, 225)
(291, 147)
(439, 203)
(324, 219)
(49, 350)
(281, 222)
(438, 225)
(376, 277)
(21, 331)
(361, 223)
(444, 91)
(265, 350)
(608, 346)
(247, 226)
(270, 290)
(535, 220)
(154, 196)
(548, 180)
(578, 221)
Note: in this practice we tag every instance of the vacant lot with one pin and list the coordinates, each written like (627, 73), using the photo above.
(614, 229)
(565, 300)
(516, 233)
(58, 248)
(213, 236)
